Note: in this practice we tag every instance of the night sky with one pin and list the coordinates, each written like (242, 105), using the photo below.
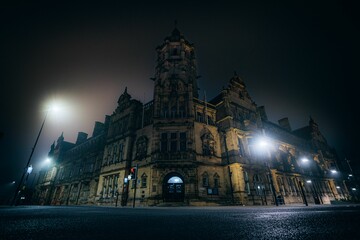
(297, 58)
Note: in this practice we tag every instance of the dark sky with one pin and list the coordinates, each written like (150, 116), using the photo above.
(298, 58)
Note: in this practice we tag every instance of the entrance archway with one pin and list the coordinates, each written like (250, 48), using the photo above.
(173, 188)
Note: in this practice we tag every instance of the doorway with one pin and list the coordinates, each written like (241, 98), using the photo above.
(173, 188)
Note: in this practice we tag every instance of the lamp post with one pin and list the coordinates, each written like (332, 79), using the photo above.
(305, 161)
(53, 107)
(303, 193)
(18, 188)
(264, 145)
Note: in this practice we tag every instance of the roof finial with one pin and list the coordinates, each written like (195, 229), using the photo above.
(235, 73)
(175, 23)
(125, 90)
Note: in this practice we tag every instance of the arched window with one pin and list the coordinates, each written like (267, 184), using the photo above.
(205, 179)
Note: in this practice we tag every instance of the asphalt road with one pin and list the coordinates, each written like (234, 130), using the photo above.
(43, 222)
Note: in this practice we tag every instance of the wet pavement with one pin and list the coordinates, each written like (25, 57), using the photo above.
(283, 222)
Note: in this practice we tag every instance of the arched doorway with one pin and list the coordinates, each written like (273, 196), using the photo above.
(173, 188)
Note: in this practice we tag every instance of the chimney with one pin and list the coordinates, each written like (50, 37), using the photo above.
(284, 123)
(98, 128)
(81, 137)
(262, 112)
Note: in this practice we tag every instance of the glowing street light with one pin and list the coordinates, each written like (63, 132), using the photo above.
(333, 171)
(305, 160)
(48, 160)
(29, 170)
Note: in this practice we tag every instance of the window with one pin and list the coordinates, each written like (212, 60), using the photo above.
(109, 153)
(247, 185)
(216, 180)
(110, 186)
(183, 141)
(121, 152)
(114, 152)
(200, 117)
(104, 187)
(143, 180)
(252, 146)
(241, 148)
(258, 185)
(116, 177)
(208, 144)
(205, 179)
(164, 142)
(173, 112)
(181, 110)
(141, 147)
(281, 184)
(210, 120)
(165, 111)
(173, 142)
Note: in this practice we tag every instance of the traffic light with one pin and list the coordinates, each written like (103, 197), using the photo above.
(133, 173)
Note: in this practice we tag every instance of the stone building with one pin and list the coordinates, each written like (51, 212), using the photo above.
(71, 176)
(191, 151)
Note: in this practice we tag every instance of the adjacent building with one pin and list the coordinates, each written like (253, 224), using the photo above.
(186, 151)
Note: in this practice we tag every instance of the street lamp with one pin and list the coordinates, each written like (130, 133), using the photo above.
(54, 107)
(264, 145)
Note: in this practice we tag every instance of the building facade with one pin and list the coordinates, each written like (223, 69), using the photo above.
(189, 151)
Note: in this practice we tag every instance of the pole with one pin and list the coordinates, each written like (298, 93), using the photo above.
(229, 171)
(18, 189)
(136, 172)
(303, 193)
(117, 198)
(270, 175)
(272, 185)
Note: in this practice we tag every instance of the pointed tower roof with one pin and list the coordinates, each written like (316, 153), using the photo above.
(176, 35)
(236, 78)
(124, 97)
